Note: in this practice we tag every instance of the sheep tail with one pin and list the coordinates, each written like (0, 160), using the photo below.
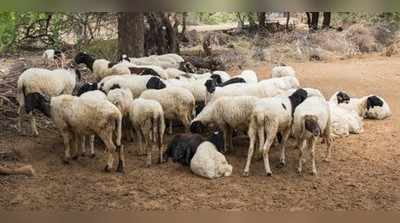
(311, 125)
(119, 129)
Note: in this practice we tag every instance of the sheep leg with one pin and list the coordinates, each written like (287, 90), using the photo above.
(170, 127)
(266, 148)
(67, 146)
(33, 124)
(106, 137)
(311, 145)
(225, 132)
(83, 145)
(328, 148)
(19, 125)
(121, 159)
(300, 146)
(186, 123)
(140, 141)
(230, 133)
(250, 153)
(261, 141)
(92, 154)
(75, 147)
(285, 137)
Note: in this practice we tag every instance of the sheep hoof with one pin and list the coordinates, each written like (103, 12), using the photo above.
(314, 173)
(281, 164)
(92, 156)
(269, 174)
(107, 169)
(83, 154)
(66, 161)
(120, 168)
(246, 173)
(75, 157)
(299, 172)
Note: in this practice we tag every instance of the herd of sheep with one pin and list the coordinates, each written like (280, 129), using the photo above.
(143, 97)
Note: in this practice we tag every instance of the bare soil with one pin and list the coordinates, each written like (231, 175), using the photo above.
(364, 173)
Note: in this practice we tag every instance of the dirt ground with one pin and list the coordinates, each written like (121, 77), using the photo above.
(364, 173)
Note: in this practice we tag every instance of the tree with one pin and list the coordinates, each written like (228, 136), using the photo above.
(131, 33)
(261, 19)
(326, 23)
(312, 20)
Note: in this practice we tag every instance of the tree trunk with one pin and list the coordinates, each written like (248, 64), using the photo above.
(131, 34)
(314, 20)
(327, 20)
(173, 43)
(308, 19)
(184, 17)
(261, 19)
(287, 20)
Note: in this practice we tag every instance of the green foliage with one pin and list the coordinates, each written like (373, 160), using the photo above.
(216, 17)
(7, 29)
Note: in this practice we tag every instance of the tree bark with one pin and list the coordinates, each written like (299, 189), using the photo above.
(261, 19)
(287, 20)
(326, 23)
(131, 34)
(308, 19)
(314, 20)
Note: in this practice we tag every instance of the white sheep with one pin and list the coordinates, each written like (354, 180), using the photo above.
(46, 82)
(101, 68)
(283, 71)
(249, 76)
(344, 122)
(91, 95)
(272, 116)
(262, 89)
(372, 106)
(228, 113)
(209, 163)
(53, 56)
(147, 118)
(75, 117)
(177, 103)
(312, 119)
(137, 84)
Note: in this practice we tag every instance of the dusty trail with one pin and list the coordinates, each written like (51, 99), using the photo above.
(363, 175)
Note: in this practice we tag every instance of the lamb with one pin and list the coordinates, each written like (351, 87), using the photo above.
(209, 163)
(177, 103)
(270, 117)
(137, 84)
(312, 119)
(249, 76)
(227, 113)
(100, 67)
(147, 118)
(262, 89)
(182, 148)
(372, 106)
(283, 71)
(54, 56)
(75, 117)
(344, 121)
(46, 82)
(202, 156)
